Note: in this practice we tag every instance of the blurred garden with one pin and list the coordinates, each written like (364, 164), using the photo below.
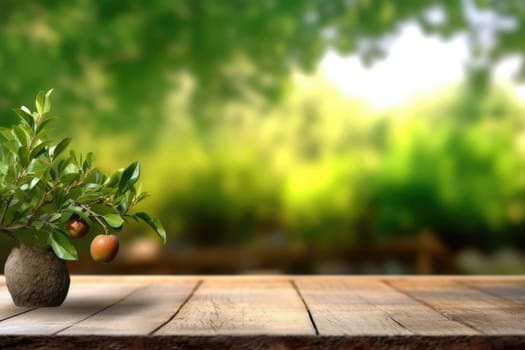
(256, 161)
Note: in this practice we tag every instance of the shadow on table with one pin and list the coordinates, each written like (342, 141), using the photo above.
(100, 304)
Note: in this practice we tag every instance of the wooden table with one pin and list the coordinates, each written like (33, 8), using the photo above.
(160, 312)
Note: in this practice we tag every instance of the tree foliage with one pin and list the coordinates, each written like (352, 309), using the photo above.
(115, 62)
(333, 171)
(317, 172)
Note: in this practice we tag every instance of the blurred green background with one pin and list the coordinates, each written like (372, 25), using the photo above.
(292, 136)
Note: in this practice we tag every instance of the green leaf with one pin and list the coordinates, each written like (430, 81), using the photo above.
(61, 165)
(68, 178)
(23, 155)
(47, 101)
(38, 149)
(129, 178)
(124, 203)
(113, 220)
(61, 146)
(3, 168)
(99, 177)
(39, 103)
(88, 163)
(43, 124)
(62, 246)
(33, 183)
(80, 212)
(55, 217)
(73, 157)
(25, 179)
(142, 196)
(6, 133)
(154, 223)
(114, 179)
(53, 174)
(94, 187)
(11, 147)
(25, 117)
(71, 169)
(21, 135)
(38, 224)
(26, 110)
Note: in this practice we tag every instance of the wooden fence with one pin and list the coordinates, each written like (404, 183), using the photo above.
(423, 253)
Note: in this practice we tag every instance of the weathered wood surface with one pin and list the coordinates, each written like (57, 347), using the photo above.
(239, 307)
(356, 307)
(158, 312)
(486, 313)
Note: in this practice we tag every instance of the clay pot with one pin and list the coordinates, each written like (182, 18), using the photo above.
(36, 277)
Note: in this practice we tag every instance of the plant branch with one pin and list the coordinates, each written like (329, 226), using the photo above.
(13, 228)
(40, 204)
(96, 217)
(8, 230)
(10, 199)
(4, 210)
(78, 183)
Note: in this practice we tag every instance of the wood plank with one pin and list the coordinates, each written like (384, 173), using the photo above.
(83, 300)
(240, 307)
(7, 308)
(337, 308)
(139, 314)
(510, 289)
(416, 317)
(140, 279)
(369, 307)
(481, 311)
(263, 312)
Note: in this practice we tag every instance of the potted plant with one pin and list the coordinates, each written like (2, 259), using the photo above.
(49, 197)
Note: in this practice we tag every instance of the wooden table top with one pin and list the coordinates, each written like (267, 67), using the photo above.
(159, 312)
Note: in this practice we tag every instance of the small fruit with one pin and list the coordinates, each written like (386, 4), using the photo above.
(104, 248)
(77, 227)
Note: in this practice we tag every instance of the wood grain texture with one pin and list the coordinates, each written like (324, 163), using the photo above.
(139, 313)
(509, 289)
(269, 312)
(369, 307)
(481, 311)
(237, 307)
(83, 301)
(337, 309)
